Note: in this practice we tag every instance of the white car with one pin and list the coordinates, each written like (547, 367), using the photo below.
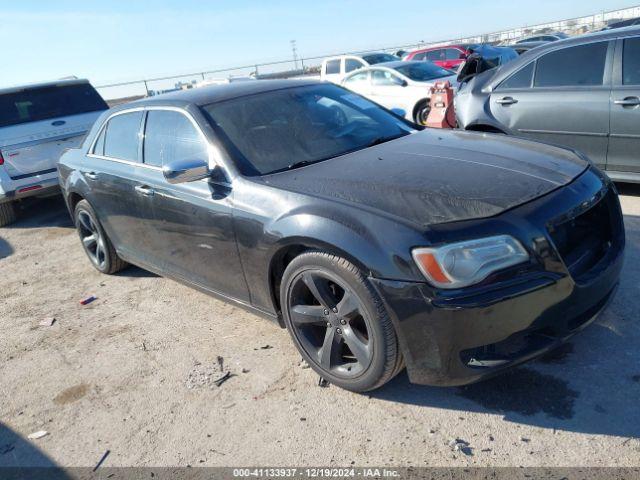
(37, 123)
(334, 69)
(400, 86)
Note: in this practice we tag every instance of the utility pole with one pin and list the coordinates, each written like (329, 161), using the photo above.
(294, 49)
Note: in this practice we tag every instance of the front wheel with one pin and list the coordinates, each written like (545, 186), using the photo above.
(94, 240)
(338, 322)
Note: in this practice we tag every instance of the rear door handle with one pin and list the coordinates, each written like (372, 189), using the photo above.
(145, 190)
(628, 102)
(506, 101)
(91, 175)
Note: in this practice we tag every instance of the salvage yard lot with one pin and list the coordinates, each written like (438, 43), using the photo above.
(133, 371)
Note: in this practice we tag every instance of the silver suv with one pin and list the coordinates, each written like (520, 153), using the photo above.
(37, 123)
(583, 93)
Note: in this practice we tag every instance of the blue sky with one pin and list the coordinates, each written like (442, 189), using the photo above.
(119, 40)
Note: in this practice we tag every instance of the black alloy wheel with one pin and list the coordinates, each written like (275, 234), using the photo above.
(94, 240)
(338, 322)
(331, 324)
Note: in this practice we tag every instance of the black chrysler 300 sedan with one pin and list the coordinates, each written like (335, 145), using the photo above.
(376, 245)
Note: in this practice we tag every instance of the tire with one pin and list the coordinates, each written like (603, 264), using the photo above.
(100, 250)
(421, 112)
(7, 213)
(350, 319)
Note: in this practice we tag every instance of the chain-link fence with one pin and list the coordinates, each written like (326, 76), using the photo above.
(124, 91)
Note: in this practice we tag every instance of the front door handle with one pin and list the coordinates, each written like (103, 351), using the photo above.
(91, 175)
(506, 101)
(628, 102)
(145, 190)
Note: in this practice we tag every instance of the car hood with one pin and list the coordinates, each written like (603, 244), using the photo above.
(437, 176)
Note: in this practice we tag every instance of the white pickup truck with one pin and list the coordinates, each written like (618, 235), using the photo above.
(37, 123)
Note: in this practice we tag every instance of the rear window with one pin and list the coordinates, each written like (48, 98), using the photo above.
(333, 67)
(37, 104)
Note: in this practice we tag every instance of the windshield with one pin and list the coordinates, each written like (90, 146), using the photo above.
(283, 129)
(423, 71)
(35, 104)
(379, 58)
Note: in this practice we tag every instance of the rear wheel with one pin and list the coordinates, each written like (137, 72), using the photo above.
(421, 112)
(95, 242)
(7, 213)
(338, 322)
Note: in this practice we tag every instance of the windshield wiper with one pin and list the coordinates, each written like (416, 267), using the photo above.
(379, 140)
(299, 164)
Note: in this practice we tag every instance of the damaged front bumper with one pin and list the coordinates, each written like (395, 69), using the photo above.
(458, 337)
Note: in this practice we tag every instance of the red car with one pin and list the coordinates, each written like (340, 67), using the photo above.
(448, 56)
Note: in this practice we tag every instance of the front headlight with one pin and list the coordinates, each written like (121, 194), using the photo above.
(462, 264)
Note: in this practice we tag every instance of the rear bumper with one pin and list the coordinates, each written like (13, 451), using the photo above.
(458, 337)
(32, 186)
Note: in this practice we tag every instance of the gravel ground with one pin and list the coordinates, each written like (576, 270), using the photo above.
(135, 373)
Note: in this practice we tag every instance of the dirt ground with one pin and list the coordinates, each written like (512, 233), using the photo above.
(133, 373)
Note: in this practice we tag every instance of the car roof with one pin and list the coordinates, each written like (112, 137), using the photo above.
(218, 93)
(33, 86)
(529, 55)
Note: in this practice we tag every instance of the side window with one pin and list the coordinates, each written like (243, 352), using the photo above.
(361, 77)
(631, 62)
(98, 149)
(381, 78)
(452, 54)
(520, 79)
(121, 140)
(333, 66)
(582, 65)
(170, 136)
(419, 56)
(351, 65)
(434, 55)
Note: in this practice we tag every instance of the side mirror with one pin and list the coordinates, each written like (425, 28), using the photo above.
(399, 112)
(399, 81)
(181, 171)
(463, 56)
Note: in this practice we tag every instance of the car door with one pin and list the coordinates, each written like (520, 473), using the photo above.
(192, 235)
(117, 181)
(562, 97)
(390, 90)
(624, 141)
(437, 56)
(452, 58)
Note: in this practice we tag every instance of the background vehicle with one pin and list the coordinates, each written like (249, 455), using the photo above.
(333, 69)
(375, 244)
(583, 92)
(402, 85)
(483, 58)
(449, 56)
(37, 123)
(522, 47)
(623, 23)
(544, 37)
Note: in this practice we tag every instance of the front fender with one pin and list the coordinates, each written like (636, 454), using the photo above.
(377, 246)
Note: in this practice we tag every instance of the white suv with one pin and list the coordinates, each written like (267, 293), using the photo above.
(37, 123)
